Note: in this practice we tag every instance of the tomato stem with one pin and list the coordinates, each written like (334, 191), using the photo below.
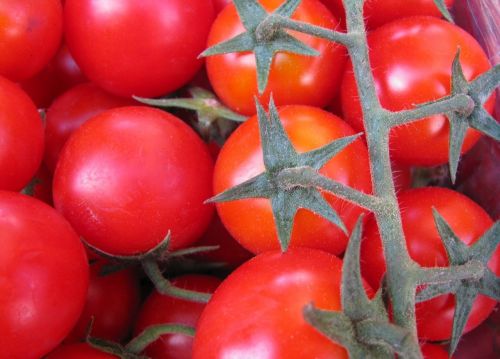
(153, 333)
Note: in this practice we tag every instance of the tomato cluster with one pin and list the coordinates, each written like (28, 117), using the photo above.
(120, 178)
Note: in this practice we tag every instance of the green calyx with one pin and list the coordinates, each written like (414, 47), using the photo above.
(262, 37)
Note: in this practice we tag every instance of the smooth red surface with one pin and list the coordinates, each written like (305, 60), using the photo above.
(112, 304)
(30, 34)
(434, 351)
(294, 79)
(161, 309)
(21, 137)
(43, 277)
(468, 221)
(411, 60)
(79, 351)
(138, 47)
(250, 221)
(257, 312)
(130, 175)
(71, 110)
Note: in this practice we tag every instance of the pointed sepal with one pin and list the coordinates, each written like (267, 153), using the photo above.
(441, 5)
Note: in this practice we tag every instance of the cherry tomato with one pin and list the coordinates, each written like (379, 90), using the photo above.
(138, 47)
(411, 60)
(72, 109)
(257, 312)
(131, 174)
(30, 33)
(21, 137)
(294, 79)
(161, 309)
(112, 303)
(433, 351)
(380, 12)
(250, 221)
(79, 351)
(58, 76)
(468, 221)
(43, 277)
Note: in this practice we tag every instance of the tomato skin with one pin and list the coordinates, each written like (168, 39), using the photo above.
(469, 222)
(43, 277)
(112, 301)
(411, 60)
(79, 351)
(72, 109)
(30, 33)
(432, 351)
(380, 12)
(138, 47)
(21, 137)
(250, 221)
(277, 286)
(161, 309)
(131, 174)
(294, 79)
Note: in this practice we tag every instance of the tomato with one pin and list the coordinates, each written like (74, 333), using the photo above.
(138, 47)
(69, 111)
(161, 309)
(257, 311)
(380, 12)
(131, 174)
(43, 277)
(432, 351)
(21, 137)
(411, 60)
(250, 221)
(59, 75)
(220, 4)
(468, 221)
(79, 351)
(294, 79)
(30, 33)
(112, 303)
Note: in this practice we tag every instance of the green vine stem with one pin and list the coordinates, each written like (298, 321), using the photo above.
(153, 333)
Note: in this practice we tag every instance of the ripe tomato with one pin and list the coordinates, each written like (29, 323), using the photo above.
(293, 79)
(21, 137)
(250, 221)
(138, 47)
(257, 311)
(30, 33)
(468, 221)
(411, 60)
(433, 351)
(161, 309)
(79, 351)
(131, 174)
(380, 12)
(112, 303)
(43, 277)
(72, 109)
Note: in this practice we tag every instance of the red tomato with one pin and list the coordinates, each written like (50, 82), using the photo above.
(250, 221)
(468, 221)
(72, 109)
(112, 303)
(411, 60)
(138, 47)
(30, 33)
(294, 79)
(43, 277)
(432, 351)
(79, 351)
(257, 311)
(59, 75)
(21, 137)
(161, 309)
(379, 12)
(131, 174)
(220, 4)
